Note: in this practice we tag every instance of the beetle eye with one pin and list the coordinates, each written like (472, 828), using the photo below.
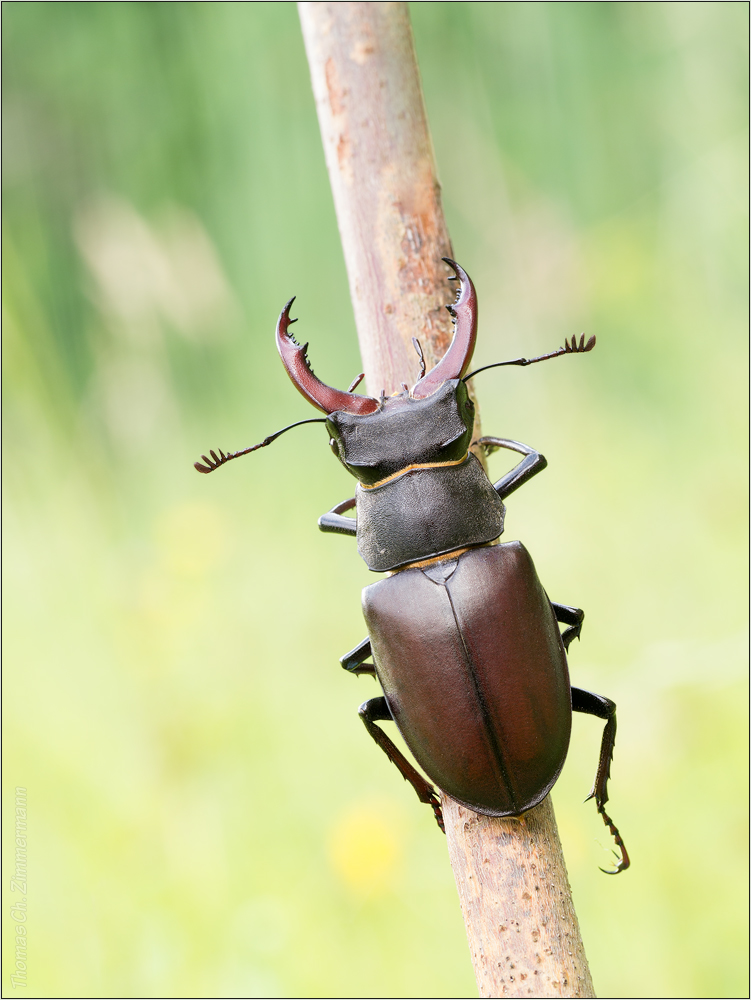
(334, 446)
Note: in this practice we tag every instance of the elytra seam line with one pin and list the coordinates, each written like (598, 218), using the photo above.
(489, 733)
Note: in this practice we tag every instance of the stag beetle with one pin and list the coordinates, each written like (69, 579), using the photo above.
(462, 636)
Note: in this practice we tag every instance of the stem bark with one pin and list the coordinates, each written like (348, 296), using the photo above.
(510, 874)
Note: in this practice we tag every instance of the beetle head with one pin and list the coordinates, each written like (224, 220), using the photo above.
(429, 423)
(403, 432)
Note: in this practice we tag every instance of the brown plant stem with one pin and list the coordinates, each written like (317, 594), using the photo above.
(510, 874)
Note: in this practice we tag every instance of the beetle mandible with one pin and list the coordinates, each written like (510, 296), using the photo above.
(461, 634)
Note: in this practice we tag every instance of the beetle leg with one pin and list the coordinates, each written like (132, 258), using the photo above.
(603, 708)
(532, 463)
(333, 520)
(569, 616)
(354, 660)
(377, 710)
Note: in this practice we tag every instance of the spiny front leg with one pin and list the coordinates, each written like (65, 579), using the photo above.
(532, 463)
(602, 708)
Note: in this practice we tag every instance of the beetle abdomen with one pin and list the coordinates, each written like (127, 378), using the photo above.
(473, 668)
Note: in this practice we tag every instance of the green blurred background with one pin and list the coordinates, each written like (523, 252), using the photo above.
(207, 816)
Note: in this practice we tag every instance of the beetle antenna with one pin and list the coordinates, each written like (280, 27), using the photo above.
(221, 459)
(572, 348)
(420, 355)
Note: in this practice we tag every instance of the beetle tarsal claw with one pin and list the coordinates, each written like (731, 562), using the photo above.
(623, 861)
(435, 803)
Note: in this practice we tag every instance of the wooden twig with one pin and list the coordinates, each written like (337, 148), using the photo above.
(510, 874)
(521, 924)
(382, 171)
